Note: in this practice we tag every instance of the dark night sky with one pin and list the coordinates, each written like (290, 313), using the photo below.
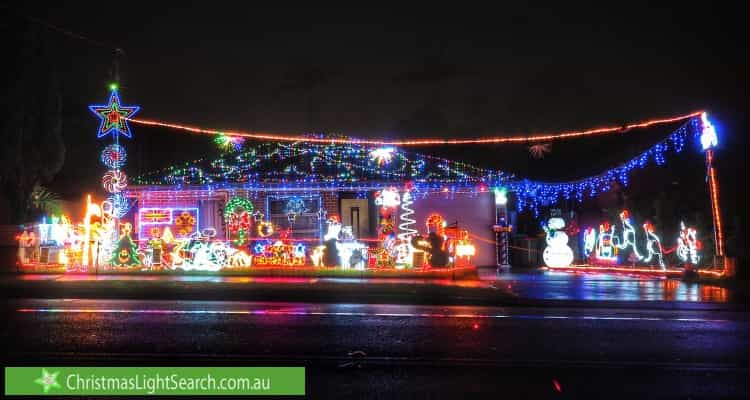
(401, 73)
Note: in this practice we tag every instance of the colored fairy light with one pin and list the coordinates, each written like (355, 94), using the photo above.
(422, 142)
(301, 167)
(114, 116)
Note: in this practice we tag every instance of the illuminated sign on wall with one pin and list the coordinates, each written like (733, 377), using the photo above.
(182, 221)
(148, 216)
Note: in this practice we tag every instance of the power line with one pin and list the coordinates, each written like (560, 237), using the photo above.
(74, 35)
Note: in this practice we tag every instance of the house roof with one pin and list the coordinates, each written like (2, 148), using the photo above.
(305, 164)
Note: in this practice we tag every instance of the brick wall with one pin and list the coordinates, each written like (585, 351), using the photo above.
(259, 201)
(331, 203)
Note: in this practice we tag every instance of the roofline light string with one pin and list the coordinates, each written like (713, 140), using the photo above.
(422, 142)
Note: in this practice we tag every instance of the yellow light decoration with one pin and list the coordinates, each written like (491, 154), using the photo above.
(465, 250)
(92, 210)
(185, 223)
(240, 259)
(265, 229)
(317, 256)
(167, 236)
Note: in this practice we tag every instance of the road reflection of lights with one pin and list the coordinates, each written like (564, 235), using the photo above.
(358, 314)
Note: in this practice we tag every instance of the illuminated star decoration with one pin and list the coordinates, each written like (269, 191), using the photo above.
(382, 155)
(114, 116)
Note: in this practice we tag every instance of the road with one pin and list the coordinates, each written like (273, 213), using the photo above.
(531, 288)
(550, 285)
(403, 350)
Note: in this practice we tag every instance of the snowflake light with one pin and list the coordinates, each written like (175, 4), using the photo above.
(382, 155)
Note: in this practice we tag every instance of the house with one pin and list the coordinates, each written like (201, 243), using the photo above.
(297, 188)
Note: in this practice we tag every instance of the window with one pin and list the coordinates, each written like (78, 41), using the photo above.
(305, 224)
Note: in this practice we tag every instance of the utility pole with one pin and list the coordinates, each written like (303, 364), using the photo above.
(709, 141)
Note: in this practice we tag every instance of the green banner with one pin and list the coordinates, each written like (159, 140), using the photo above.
(154, 381)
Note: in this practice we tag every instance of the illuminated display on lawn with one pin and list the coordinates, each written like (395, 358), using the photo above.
(608, 247)
(557, 253)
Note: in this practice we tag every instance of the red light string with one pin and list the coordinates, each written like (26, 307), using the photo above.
(713, 185)
(421, 142)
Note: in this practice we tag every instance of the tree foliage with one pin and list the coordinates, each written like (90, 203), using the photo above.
(33, 150)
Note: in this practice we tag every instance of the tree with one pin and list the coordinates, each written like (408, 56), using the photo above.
(45, 202)
(33, 150)
(126, 252)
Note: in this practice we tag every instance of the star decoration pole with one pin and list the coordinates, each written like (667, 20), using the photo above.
(114, 117)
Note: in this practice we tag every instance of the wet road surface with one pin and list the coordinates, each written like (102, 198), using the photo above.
(351, 349)
(550, 285)
(526, 288)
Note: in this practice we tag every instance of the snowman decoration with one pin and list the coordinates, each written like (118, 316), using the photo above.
(557, 254)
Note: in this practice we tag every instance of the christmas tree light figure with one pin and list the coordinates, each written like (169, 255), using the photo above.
(404, 249)
(126, 251)
(406, 220)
